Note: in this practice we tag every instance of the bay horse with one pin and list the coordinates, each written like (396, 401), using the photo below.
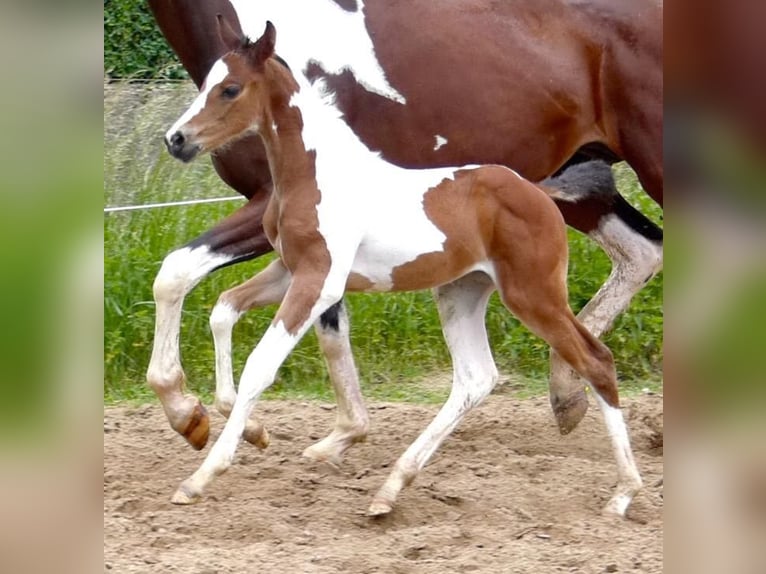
(532, 84)
(465, 232)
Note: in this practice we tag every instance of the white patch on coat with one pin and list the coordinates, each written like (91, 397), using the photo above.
(371, 212)
(319, 31)
(440, 142)
(216, 75)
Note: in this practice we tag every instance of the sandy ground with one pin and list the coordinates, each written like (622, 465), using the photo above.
(505, 493)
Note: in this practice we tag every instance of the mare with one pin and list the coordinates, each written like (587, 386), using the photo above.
(464, 232)
(532, 84)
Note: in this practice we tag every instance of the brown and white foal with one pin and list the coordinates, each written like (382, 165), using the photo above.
(463, 232)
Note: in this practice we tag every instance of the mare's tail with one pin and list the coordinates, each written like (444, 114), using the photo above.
(592, 179)
(593, 182)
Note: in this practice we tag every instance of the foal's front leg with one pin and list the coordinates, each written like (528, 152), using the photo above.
(332, 329)
(266, 288)
(306, 299)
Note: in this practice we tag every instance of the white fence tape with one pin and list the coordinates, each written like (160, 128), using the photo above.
(170, 204)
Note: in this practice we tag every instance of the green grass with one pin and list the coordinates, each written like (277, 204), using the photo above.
(397, 339)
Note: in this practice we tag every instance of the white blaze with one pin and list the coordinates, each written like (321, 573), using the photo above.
(214, 77)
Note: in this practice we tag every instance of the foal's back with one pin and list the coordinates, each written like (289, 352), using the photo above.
(468, 219)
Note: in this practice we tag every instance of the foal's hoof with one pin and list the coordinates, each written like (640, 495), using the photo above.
(256, 434)
(185, 495)
(197, 429)
(570, 411)
(379, 508)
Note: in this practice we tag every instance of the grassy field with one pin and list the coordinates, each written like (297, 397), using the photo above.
(397, 339)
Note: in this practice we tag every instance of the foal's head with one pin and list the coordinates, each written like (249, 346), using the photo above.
(238, 97)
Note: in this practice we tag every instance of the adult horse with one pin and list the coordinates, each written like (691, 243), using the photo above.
(533, 85)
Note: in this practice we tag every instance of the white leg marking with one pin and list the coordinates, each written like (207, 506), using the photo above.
(258, 374)
(629, 479)
(222, 321)
(352, 420)
(267, 287)
(462, 305)
(635, 260)
(180, 272)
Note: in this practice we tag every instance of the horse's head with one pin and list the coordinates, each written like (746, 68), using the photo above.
(236, 98)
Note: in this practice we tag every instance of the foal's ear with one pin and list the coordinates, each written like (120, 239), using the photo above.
(231, 40)
(263, 49)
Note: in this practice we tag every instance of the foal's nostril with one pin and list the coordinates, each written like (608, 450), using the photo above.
(177, 139)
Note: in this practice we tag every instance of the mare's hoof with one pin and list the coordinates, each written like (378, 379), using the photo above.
(197, 429)
(570, 411)
(379, 508)
(184, 495)
(257, 435)
(618, 505)
(316, 453)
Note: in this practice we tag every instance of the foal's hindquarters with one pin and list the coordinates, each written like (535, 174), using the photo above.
(524, 239)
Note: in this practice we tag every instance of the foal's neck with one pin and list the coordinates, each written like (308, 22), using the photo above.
(308, 129)
(291, 165)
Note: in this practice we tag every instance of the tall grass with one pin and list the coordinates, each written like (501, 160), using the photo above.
(397, 339)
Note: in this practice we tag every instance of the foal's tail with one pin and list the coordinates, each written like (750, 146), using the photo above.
(592, 179)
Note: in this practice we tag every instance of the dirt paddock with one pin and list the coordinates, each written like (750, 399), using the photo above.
(505, 493)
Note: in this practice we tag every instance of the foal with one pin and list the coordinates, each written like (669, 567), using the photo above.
(464, 232)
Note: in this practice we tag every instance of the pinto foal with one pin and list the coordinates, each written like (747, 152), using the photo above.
(463, 232)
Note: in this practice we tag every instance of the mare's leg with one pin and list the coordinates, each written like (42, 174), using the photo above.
(236, 238)
(306, 299)
(590, 202)
(634, 245)
(352, 420)
(462, 306)
(541, 304)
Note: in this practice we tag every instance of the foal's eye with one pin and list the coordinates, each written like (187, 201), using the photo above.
(231, 92)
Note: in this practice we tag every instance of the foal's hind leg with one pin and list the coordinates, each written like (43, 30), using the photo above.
(352, 420)
(634, 245)
(269, 287)
(636, 258)
(543, 308)
(266, 288)
(462, 306)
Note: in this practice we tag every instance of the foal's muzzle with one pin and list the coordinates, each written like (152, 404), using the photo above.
(180, 148)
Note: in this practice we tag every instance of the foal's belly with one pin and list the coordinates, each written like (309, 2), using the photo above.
(400, 265)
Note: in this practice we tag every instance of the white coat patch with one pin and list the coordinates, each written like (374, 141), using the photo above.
(322, 32)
